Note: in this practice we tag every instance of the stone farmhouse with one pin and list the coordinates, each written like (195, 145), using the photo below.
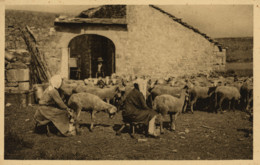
(133, 39)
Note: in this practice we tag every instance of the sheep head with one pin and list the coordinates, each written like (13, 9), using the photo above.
(112, 111)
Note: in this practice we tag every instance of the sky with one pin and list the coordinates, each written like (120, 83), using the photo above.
(217, 21)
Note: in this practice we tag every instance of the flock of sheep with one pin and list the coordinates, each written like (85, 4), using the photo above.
(170, 95)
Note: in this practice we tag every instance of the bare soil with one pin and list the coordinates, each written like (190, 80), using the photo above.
(202, 135)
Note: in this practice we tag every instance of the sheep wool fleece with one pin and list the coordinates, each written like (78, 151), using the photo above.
(135, 109)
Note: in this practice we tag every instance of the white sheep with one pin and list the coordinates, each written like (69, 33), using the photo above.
(91, 103)
(230, 93)
(160, 90)
(107, 94)
(168, 104)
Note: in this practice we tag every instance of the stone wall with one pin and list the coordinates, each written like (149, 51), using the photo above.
(159, 46)
(41, 25)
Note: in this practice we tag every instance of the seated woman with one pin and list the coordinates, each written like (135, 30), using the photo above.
(53, 109)
(136, 110)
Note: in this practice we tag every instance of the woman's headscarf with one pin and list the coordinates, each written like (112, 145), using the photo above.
(55, 82)
(142, 84)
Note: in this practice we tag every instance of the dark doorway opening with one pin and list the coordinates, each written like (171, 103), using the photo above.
(84, 52)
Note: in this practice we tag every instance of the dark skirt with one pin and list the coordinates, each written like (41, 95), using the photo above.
(99, 74)
(48, 114)
(142, 116)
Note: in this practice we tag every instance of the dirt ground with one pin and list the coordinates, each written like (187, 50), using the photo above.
(202, 135)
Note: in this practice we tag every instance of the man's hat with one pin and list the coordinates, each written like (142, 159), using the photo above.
(100, 59)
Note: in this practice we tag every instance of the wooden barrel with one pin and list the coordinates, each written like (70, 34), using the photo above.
(9, 89)
(12, 84)
(14, 75)
(11, 75)
(23, 74)
(16, 65)
(24, 86)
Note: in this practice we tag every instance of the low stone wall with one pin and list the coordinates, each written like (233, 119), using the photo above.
(41, 24)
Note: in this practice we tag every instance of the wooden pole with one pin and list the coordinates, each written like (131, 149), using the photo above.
(40, 72)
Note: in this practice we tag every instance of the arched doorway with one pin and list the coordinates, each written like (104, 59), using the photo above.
(84, 52)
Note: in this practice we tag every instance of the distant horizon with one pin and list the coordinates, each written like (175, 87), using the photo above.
(42, 11)
(217, 21)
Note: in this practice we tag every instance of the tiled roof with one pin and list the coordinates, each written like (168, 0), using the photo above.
(106, 14)
(105, 11)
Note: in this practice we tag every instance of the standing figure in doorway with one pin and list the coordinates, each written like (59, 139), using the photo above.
(100, 69)
(78, 72)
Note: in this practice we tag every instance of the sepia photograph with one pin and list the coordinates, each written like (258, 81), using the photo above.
(128, 82)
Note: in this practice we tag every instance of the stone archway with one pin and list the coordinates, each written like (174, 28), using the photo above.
(84, 50)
